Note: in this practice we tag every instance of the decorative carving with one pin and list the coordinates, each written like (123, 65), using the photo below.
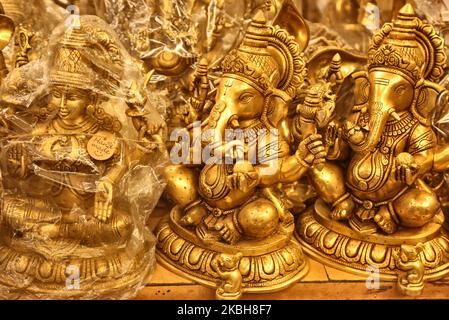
(408, 259)
(229, 206)
(376, 199)
(227, 266)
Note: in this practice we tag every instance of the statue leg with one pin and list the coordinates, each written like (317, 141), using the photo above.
(182, 188)
(24, 214)
(258, 219)
(286, 218)
(415, 208)
(329, 184)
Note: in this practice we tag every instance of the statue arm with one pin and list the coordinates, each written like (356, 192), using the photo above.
(441, 158)
(336, 144)
(120, 166)
(422, 148)
(285, 170)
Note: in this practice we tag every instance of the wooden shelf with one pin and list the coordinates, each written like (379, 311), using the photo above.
(321, 283)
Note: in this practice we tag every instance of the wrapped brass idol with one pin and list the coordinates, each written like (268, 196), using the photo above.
(375, 211)
(72, 224)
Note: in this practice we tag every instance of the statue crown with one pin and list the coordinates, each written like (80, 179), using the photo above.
(409, 45)
(268, 56)
(86, 57)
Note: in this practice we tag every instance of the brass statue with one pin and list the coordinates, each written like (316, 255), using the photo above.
(372, 194)
(7, 28)
(226, 265)
(231, 206)
(67, 227)
(408, 259)
(23, 43)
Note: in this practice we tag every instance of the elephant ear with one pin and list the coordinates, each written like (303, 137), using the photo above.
(426, 101)
(277, 110)
(361, 88)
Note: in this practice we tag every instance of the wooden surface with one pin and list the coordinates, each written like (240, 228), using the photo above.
(320, 283)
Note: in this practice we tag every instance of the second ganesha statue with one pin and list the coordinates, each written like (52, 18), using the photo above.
(230, 227)
(374, 199)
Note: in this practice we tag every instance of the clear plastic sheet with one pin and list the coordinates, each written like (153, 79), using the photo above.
(81, 157)
(38, 19)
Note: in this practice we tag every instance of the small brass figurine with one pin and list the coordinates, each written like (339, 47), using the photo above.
(67, 228)
(227, 208)
(22, 41)
(411, 282)
(226, 265)
(378, 200)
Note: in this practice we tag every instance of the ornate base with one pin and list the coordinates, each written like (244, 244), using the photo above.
(266, 265)
(337, 245)
(66, 270)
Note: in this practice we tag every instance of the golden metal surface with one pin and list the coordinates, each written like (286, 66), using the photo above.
(378, 211)
(331, 116)
(229, 218)
(62, 204)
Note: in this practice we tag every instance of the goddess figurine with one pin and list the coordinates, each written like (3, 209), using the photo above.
(381, 200)
(230, 226)
(67, 229)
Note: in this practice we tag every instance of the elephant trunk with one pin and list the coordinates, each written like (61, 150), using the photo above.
(222, 117)
(378, 116)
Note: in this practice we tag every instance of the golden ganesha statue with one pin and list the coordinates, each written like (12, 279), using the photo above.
(230, 227)
(68, 228)
(378, 200)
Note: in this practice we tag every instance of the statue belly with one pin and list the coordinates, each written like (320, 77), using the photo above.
(215, 191)
(368, 180)
(234, 199)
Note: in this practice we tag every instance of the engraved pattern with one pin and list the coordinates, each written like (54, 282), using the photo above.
(342, 250)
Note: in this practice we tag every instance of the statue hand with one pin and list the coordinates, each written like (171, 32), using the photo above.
(406, 169)
(49, 231)
(17, 164)
(135, 97)
(311, 150)
(150, 136)
(353, 133)
(332, 133)
(103, 200)
(242, 180)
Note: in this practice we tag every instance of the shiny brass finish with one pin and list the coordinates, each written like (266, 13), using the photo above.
(63, 209)
(6, 32)
(379, 204)
(22, 40)
(408, 260)
(229, 225)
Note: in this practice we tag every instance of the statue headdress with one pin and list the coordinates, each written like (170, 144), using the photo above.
(269, 57)
(410, 46)
(86, 56)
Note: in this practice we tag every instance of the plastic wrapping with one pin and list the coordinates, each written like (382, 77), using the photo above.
(82, 151)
